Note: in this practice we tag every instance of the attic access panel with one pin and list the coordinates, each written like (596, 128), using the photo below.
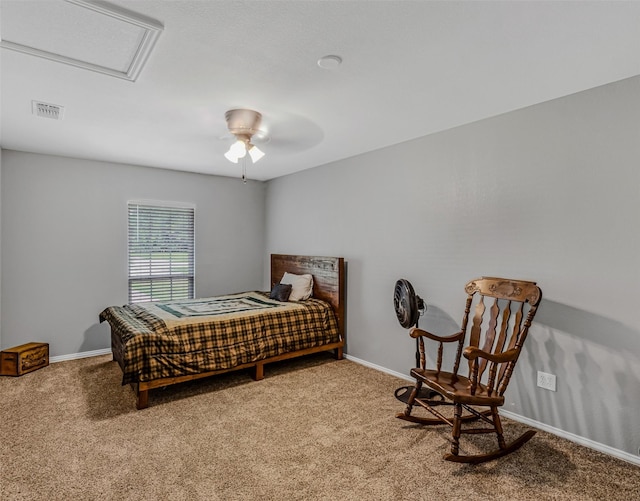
(88, 34)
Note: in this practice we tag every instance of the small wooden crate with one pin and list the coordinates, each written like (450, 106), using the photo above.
(24, 358)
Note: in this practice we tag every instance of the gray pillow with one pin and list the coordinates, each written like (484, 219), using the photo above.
(281, 292)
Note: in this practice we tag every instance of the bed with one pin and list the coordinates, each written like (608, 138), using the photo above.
(161, 344)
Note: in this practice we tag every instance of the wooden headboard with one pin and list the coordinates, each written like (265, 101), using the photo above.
(328, 279)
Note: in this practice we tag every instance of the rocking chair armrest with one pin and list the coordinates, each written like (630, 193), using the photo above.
(471, 353)
(416, 333)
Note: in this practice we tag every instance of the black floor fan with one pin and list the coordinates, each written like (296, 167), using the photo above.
(409, 307)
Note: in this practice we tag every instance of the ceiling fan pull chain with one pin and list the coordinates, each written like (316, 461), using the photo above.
(244, 170)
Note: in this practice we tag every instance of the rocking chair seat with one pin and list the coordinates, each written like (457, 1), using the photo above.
(456, 388)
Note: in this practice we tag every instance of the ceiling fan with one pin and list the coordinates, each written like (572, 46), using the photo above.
(249, 131)
(243, 124)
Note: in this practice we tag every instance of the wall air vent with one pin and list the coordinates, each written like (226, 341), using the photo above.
(47, 110)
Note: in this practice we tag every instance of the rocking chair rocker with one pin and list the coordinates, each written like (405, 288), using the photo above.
(494, 344)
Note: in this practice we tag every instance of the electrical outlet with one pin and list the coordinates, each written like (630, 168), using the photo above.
(547, 381)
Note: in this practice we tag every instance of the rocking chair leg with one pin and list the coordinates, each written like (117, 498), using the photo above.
(412, 398)
(503, 447)
(457, 426)
(498, 425)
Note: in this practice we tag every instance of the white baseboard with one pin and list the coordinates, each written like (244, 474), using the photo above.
(611, 451)
(378, 367)
(83, 354)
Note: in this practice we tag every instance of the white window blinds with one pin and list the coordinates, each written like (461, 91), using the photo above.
(161, 252)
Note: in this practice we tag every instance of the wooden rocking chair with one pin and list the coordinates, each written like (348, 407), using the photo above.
(494, 344)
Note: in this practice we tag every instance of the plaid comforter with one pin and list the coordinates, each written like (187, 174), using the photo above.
(165, 340)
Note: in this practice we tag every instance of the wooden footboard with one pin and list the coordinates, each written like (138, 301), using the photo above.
(329, 285)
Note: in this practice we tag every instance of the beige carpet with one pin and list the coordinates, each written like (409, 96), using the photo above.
(314, 429)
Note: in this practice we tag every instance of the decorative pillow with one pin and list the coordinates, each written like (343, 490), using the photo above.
(281, 292)
(302, 286)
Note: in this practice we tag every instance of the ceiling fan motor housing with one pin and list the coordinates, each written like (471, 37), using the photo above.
(243, 122)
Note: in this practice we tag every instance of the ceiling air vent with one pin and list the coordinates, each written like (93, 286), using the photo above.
(47, 110)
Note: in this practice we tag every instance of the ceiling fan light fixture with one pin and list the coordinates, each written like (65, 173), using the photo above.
(243, 124)
(255, 153)
(237, 151)
(231, 157)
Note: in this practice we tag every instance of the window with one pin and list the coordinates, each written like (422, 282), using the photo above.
(161, 252)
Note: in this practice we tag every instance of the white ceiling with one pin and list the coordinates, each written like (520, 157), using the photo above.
(410, 68)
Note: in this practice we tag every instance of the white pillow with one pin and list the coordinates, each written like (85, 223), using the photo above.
(301, 286)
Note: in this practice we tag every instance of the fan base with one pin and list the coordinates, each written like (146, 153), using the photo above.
(404, 392)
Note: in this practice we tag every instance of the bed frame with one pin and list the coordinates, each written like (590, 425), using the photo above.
(328, 285)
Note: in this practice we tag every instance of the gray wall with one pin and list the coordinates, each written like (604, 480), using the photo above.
(64, 242)
(550, 193)
(0, 246)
